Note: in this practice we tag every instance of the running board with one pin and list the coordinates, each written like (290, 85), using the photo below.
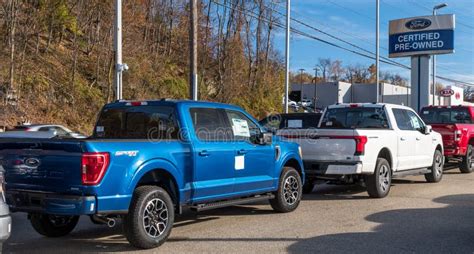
(413, 172)
(220, 204)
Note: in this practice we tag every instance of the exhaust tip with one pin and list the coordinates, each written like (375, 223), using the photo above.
(111, 223)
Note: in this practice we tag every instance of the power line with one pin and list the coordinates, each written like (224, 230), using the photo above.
(428, 9)
(387, 22)
(296, 31)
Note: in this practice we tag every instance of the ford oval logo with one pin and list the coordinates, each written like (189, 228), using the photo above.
(417, 24)
(32, 162)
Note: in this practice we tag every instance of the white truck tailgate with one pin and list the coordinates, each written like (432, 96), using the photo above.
(323, 144)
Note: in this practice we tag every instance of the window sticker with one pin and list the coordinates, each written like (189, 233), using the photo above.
(240, 127)
(99, 129)
(426, 112)
(239, 162)
(295, 123)
(328, 123)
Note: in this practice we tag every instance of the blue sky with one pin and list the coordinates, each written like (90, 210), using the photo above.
(354, 21)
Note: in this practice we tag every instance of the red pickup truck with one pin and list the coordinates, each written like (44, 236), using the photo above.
(456, 125)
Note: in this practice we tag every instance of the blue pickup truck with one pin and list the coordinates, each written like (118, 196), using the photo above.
(144, 163)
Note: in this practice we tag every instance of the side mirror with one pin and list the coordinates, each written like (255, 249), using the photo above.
(265, 138)
(428, 129)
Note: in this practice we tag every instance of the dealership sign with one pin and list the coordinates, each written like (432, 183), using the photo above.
(427, 35)
(446, 92)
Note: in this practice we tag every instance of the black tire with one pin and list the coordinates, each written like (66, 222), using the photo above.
(436, 168)
(308, 186)
(379, 183)
(53, 225)
(134, 222)
(289, 185)
(467, 164)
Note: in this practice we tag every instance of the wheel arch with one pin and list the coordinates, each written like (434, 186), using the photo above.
(471, 141)
(386, 154)
(294, 163)
(159, 173)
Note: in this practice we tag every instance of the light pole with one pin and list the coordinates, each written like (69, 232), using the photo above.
(301, 84)
(287, 54)
(377, 49)
(433, 64)
(118, 50)
(315, 86)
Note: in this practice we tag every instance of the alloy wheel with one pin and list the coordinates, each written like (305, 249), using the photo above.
(291, 190)
(384, 178)
(155, 217)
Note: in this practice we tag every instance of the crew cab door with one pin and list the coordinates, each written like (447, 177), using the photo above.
(423, 142)
(406, 140)
(213, 153)
(254, 163)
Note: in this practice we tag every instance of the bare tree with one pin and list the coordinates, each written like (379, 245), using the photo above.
(325, 65)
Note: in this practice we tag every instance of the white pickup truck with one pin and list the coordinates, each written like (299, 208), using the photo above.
(371, 143)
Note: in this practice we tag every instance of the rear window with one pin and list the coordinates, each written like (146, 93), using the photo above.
(140, 122)
(300, 121)
(353, 118)
(446, 115)
(291, 121)
(20, 128)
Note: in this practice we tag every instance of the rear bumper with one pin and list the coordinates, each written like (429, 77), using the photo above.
(5, 227)
(50, 203)
(314, 169)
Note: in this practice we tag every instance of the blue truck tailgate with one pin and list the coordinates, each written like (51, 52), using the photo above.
(44, 165)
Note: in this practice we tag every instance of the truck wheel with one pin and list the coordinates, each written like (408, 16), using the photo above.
(436, 173)
(466, 166)
(308, 186)
(288, 196)
(378, 184)
(150, 217)
(53, 225)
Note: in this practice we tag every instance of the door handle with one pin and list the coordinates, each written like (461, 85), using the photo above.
(204, 153)
(403, 139)
(418, 139)
(241, 152)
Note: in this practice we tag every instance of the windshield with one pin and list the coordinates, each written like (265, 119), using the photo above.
(140, 122)
(446, 115)
(357, 117)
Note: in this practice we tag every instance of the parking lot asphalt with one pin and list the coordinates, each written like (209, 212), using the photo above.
(416, 217)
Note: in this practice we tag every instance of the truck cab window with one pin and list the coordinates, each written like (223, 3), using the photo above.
(144, 122)
(210, 125)
(243, 128)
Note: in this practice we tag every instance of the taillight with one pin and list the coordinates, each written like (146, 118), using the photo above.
(137, 103)
(94, 166)
(360, 144)
(457, 135)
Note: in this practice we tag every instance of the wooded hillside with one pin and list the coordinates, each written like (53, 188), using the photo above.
(57, 56)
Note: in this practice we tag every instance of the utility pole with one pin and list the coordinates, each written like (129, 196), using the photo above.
(193, 34)
(118, 49)
(433, 64)
(377, 50)
(301, 84)
(287, 54)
